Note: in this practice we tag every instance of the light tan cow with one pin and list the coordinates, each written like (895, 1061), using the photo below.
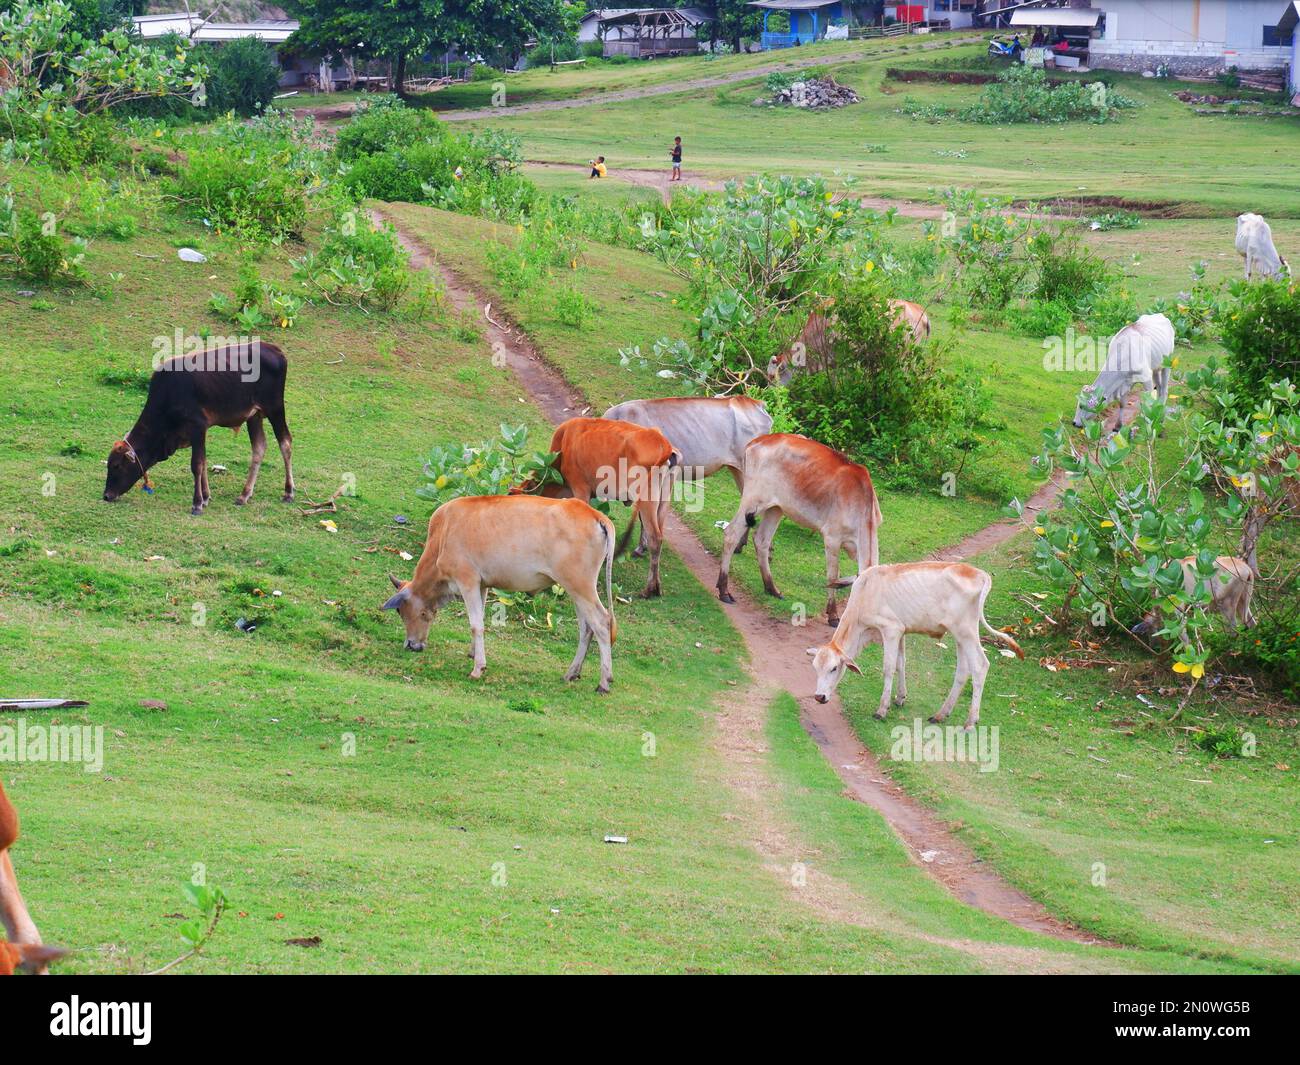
(24, 948)
(813, 349)
(787, 475)
(927, 598)
(1231, 589)
(518, 543)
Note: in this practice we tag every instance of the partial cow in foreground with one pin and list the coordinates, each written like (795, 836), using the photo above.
(518, 543)
(1231, 588)
(603, 459)
(710, 433)
(228, 386)
(1255, 245)
(1136, 356)
(815, 486)
(926, 598)
(23, 948)
(813, 349)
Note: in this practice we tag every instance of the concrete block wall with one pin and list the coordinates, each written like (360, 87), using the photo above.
(1202, 58)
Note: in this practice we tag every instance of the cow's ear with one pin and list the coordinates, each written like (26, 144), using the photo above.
(850, 664)
(398, 599)
(397, 582)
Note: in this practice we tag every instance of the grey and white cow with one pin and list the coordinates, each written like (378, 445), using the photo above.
(711, 434)
(1136, 356)
(1255, 245)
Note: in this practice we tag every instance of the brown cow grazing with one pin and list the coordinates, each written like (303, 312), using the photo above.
(928, 598)
(188, 394)
(519, 543)
(605, 459)
(815, 486)
(24, 948)
(1231, 588)
(813, 349)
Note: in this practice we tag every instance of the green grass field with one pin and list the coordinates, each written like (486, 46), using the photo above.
(337, 786)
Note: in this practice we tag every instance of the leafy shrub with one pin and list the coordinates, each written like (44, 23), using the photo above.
(574, 308)
(31, 248)
(1040, 318)
(988, 247)
(1024, 94)
(242, 77)
(486, 469)
(1261, 331)
(1068, 273)
(592, 49)
(1114, 220)
(1194, 311)
(243, 194)
(384, 123)
(1272, 646)
(483, 72)
(358, 264)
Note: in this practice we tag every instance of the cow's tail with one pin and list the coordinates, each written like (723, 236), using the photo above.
(626, 537)
(607, 531)
(998, 635)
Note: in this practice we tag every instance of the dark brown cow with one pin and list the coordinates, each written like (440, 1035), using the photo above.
(227, 386)
(605, 459)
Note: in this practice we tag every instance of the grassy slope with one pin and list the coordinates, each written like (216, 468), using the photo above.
(1053, 810)
(389, 855)
(1161, 152)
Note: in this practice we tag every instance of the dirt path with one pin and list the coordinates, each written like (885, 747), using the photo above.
(779, 663)
(671, 87)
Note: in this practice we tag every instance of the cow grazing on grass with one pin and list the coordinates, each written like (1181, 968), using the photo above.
(710, 433)
(813, 349)
(604, 459)
(518, 543)
(227, 386)
(24, 948)
(1136, 356)
(1255, 246)
(928, 598)
(815, 486)
(1231, 589)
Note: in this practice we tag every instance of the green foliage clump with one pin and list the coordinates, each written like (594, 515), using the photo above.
(242, 77)
(358, 264)
(1261, 331)
(1024, 94)
(491, 468)
(31, 248)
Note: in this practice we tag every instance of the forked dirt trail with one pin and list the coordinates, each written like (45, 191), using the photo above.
(779, 663)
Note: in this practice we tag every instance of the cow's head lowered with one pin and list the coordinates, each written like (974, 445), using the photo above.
(417, 611)
(124, 469)
(830, 663)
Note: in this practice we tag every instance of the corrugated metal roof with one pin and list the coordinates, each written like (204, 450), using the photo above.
(1076, 17)
(273, 31)
(791, 5)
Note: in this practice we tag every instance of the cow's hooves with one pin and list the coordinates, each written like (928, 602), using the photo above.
(571, 676)
(651, 593)
(900, 700)
(196, 511)
(476, 675)
(241, 501)
(726, 597)
(287, 497)
(602, 690)
(638, 553)
(879, 715)
(935, 719)
(833, 622)
(774, 593)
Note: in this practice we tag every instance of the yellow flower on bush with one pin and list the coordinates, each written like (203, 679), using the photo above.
(1108, 524)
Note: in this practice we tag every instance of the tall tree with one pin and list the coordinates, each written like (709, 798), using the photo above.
(398, 29)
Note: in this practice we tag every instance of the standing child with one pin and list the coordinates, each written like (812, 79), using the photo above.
(677, 159)
(597, 167)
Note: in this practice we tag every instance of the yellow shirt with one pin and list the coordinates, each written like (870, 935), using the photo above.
(600, 169)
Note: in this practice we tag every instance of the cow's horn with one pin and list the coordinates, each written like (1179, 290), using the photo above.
(397, 582)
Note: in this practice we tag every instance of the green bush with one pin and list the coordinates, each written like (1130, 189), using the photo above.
(31, 248)
(1272, 647)
(1024, 94)
(242, 76)
(1261, 331)
(242, 193)
(1040, 318)
(383, 124)
(1068, 272)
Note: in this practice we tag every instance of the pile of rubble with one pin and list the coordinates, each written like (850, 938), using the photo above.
(814, 93)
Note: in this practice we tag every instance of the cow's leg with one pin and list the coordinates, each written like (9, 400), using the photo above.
(647, 509)
(958, 683)
(584, 639)
(891, 642)
(900, 697)
(198, 464)
(730, 543)
(764, 534)
(285, 440)
(18, 924)
(256, 437)
(739, 477)
(1162, 383)
(472, 593)
(832, 548)
(979, 670)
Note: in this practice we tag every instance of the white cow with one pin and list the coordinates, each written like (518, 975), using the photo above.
(1136, 356)
(711, 434)
(1255, 246)
(928, 598)
(1231, 589)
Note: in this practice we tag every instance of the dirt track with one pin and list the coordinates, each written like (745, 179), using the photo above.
(779, 663)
